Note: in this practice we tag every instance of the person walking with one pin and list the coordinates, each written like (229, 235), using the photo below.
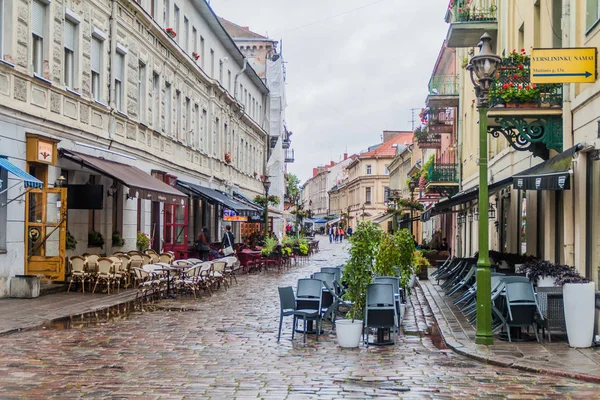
(227, 241)
(330, 229)
(341, 232)
(349, 231)
(203, 244)
(336, 233)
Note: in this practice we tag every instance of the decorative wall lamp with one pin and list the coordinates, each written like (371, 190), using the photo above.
(60, 182)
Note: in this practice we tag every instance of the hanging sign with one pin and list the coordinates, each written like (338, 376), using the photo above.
(576, 65)
(231, 216)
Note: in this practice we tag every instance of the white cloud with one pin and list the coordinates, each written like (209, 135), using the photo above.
(349, 77)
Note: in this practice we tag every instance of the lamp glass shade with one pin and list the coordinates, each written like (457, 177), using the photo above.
(61, 181)
(492, 212)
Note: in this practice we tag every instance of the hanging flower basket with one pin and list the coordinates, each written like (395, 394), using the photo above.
(227, 158)
(195, 55)
(171, 32)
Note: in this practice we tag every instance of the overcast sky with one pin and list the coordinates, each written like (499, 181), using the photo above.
(354, 67)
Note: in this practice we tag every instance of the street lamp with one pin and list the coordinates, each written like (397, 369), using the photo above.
(482, 68)
(412, 185)
(266, 184)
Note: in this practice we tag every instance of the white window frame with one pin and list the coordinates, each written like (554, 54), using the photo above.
(142, 92)
(368, 195)
(168, 109)
(369, 170)
(97, 76)
(2, 26)
(166, 13)
(197, 138)
(202, 46)
(186, 34)
(39, 34)
(156, 100)
(212, 63)
(188, 134)
(178, 124)
(119, 80)
(177, 17)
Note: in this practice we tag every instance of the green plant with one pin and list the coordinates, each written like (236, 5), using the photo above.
(268, 247)
(415, 205)
(71, 242)
(95, 239)
(358, 273)
(394, 255)
(262, 200)
(117, 239)
(419, 261)
(303, 249)
(143, 241)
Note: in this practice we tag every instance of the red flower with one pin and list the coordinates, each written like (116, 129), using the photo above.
(515, 76)
(505, 86)
(533, 85)
(520, 66)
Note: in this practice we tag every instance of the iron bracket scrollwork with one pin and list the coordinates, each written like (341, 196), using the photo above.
(528, 133)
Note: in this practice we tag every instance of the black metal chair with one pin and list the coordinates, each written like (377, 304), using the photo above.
(308, 303)
(380, 310)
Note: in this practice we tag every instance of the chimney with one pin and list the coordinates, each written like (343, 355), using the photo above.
(246, 28)
(315, 171)
(345, 156)
(389, 135)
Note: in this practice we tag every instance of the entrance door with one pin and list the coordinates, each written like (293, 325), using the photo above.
(45, 233)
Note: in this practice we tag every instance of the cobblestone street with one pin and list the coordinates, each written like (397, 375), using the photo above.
(224, 347)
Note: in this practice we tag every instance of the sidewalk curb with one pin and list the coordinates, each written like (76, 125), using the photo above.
(452, 344)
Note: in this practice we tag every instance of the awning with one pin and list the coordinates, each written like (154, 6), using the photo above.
(217, 197)
(320, 221)
(243, 199)
(465, 196)
(141, 184)
(553, 174)
(29, 181)
(383, 218)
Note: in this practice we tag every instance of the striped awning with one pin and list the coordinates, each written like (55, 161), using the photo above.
(28, 180)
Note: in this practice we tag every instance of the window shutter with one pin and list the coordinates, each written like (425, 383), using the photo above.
(38, 18)
(70, 30)
(96, 49)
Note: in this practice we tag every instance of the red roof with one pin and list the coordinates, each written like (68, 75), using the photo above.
(386, 149)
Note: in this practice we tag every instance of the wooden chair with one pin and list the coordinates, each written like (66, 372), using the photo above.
(78, 272)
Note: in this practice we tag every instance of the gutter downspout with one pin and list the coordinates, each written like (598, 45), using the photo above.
(235, 85)
(111, 62)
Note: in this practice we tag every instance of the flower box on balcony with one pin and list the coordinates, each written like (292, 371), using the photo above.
(171, 32)
(195, 55)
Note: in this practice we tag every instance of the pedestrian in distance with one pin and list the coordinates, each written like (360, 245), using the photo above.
(203, 244)
(336, 232)
(349, 231)
(341, 234)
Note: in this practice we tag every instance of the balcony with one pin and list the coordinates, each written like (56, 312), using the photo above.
(529, 116)
(469, 19)
(440, 120)
(427, 140)
(443, 91)
(286, 143)
(289, 156)
(442, 178)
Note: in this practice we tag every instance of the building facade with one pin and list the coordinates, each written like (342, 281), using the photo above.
(89, 88)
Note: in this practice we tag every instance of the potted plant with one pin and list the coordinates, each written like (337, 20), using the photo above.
(95, 239)
(117, 239)
(358, 274)
(171, 32)
(195, 55)
(143, 241)
(543, 273)
(227, 157)
(579, 303)
(71, 242)
(268, 247)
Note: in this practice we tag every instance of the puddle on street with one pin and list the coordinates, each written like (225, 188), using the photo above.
(101, 317)
(433, 332)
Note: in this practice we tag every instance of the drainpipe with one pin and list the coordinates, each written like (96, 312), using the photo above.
(111, 62)
(235, 85)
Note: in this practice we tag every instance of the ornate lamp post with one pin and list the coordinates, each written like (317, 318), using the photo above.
(483, 69)
(266, 184)
(412, 185)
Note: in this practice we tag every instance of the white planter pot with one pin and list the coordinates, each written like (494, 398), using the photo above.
(348, 332)
(546, 281)
(412, 281)
(579, 313)
(402, 311)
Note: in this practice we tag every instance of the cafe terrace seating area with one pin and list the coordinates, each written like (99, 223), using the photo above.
(161, 275)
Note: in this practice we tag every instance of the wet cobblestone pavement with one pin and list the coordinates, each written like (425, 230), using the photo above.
(224, 347)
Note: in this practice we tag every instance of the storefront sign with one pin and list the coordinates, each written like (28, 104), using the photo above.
(563, 65)
(231, 216)
(41, 149)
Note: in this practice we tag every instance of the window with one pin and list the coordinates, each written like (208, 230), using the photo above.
(69, 53)
(386, 171)
(2, 28)
(196, 142)
(216, 132)
(156, 100)
(368, 195)
(119, 76)
(386, 194)
(186, 34)
(38, 30)
(3, 208)
(221, 72)
(153, 8)
(212, 63)
(194, 39)
(176, 22)
(168, 109)
(592, 13)
(368, 170)
(178, 124)
(142, 93)
(188, 122)
(166, 13)
(202, 52)
(96, 58)
(204, 137)
(229, 81)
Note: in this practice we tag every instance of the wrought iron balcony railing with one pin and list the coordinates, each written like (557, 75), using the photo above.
(289, 156)
(472, 11)
(443, 173)
(443, 85)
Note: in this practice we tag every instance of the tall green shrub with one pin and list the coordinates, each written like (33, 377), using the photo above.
(358, 272)
(394, 255)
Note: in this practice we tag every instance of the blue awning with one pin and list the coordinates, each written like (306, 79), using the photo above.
(320, 221)
(28, 180)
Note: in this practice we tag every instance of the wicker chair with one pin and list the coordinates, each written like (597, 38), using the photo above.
(219, 273)
(105, 273)
(117, 273)
(166, 258)
(78, 272)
